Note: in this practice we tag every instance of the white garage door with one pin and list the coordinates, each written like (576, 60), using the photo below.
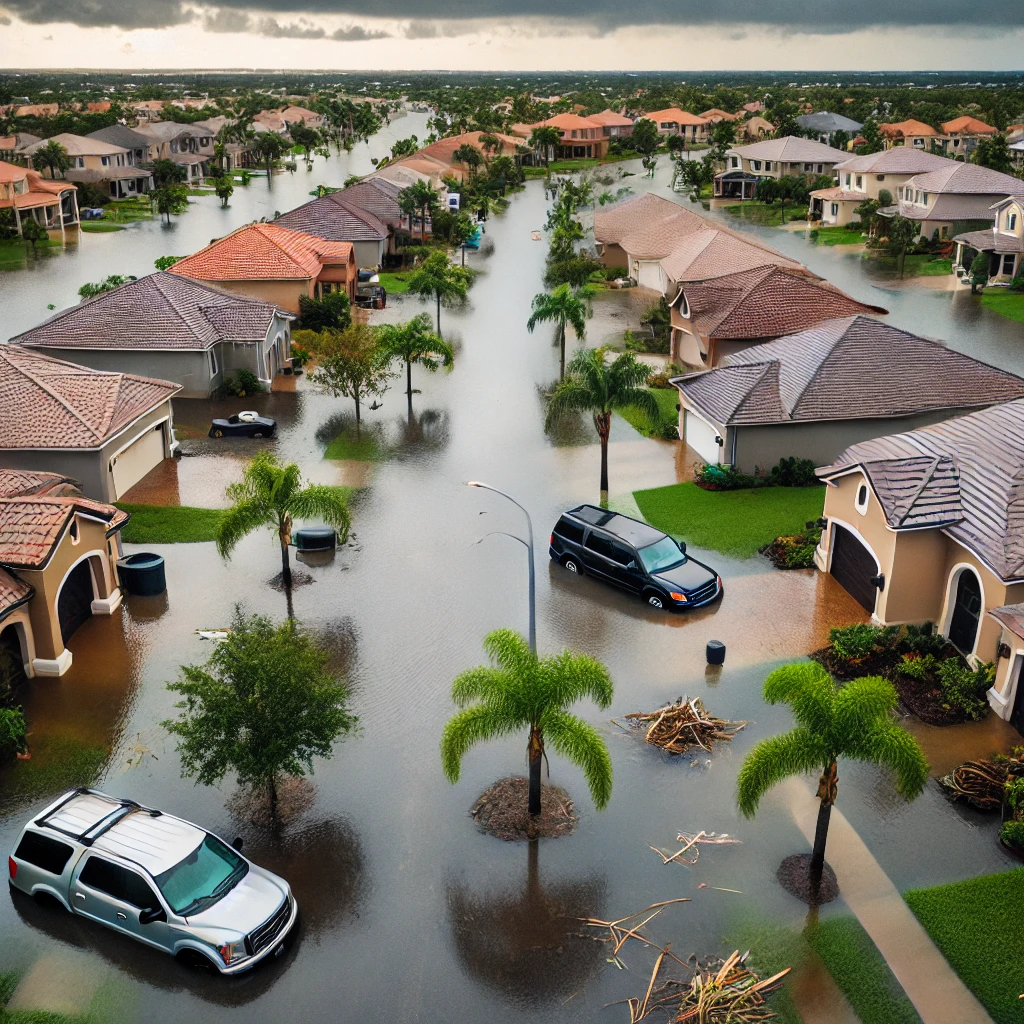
(701, 437)
(132, 464)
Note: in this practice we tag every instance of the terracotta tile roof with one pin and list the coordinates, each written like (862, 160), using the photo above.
(31, 527)
(566, 122)
(335, 220)
(1011, 616)
(766, 302)
(444, 149)
(49, 403)
(714, 252)
(987, 449)
(837, 192)
(159, 311)
(626, 217)
(898, 160)
(909, 127)
(264, 251)
(968, 125)
(790, 149)
(674, 114)
(719, 114)
(17, 483)
(610, 118)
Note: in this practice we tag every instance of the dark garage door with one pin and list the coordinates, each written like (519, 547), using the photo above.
(74, 605)
(853, 566)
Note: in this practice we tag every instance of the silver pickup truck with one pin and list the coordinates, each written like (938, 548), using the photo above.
(155, 877)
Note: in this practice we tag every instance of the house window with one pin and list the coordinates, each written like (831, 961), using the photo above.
(848, 181)
(1011, 222)
(861, 503)
(755, 165)
(768, 165)
(835, 209)
(105, 161)
(1008, 261)
(81, 161)
(75, 536)
(820, 168)
(919, 143)
(735, 161)
(808, 167)
(924, 198)
(879, 177)
(860, 181)
(213, 362)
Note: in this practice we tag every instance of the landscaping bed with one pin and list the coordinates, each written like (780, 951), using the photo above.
(503, 811)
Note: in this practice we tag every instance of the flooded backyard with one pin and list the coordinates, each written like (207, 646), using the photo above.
(409, 913)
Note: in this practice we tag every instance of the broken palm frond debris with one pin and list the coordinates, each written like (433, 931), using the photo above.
(685, 724)
(980, 783)
(693, 841)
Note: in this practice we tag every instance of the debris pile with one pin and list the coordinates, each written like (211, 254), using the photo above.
(692, 842)
(685, 724)
(979, 783)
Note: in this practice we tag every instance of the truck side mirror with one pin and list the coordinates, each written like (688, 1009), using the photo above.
(682, 546)
(237, 843)
(151, 914)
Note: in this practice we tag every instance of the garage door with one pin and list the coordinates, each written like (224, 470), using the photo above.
(132, 464)
(853, 566)
(701, 437)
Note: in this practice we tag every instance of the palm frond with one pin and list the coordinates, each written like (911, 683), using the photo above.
(243, 518)
(891, 746)
(643, 401)
(510, 651)
(318, 501)
(575, 676)
(481, 683)
(465, 729)
(863, 704)
(808, 689)
(775, 759)
(571, 395)
(582, 744)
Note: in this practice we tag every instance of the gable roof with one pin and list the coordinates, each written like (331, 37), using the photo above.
(121, 135)
(897, 160)
(334, 219)
(675, 114)
(961, 179)
(790, 149)
(825, 121)
(31, 527)
(444, 149)
(766, 302)
(610, 118)
(851, 368)
(716, 113)
(905, 128)
(13, 592)
(970, 125)
(715, 252)
(987, 448)
(264, 251)
(614, 221)
(163, 131)
(159, 311)
(77, 145)
(18, 483)
(49, 403)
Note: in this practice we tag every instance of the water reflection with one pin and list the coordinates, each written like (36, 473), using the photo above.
(526, 941)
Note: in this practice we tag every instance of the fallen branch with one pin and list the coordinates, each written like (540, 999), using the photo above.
(685, 724)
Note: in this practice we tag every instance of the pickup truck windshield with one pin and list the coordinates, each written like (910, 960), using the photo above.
(202, 878)
(661, 555)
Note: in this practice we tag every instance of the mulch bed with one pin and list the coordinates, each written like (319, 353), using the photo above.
(295, 795)
(502, 811)
(794, 877)
(839, 668)
(299, 579)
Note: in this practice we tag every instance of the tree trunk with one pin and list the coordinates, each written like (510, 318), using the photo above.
(408, 381)
(284, 532)
(272, 795)
(535, 752)
(561, 346)
(903, 260)
(438, 296)
(603, 422)
(828, 786)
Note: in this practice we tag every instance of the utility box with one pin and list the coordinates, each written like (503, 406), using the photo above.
(454, 201)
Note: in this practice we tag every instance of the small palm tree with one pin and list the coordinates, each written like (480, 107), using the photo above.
(563, 306)
(855, 721)
(595, 386)
(437, 277)
(523, 691)
(415, 342)
(270, 494)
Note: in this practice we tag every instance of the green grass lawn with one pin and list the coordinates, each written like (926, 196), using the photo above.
(99, 226)
(861, 972)
(756, 212)
(395, 284)
(169, 524)
(917, 264)
(14, 252)
(57, 763)
(736, 523)
(667, 399)
(977, 924)
(369, 446)
(837, 236)
(1005, 303)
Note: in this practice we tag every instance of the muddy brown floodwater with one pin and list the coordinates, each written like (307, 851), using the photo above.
(409, 912)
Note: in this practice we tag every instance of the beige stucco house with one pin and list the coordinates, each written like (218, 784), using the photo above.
(927, 526)
(773, 158)
(96, 162)
(1004, 243)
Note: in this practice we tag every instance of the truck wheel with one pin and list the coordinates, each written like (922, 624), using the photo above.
(654, 600)
(194, 960)
(571, 565)
(218, 433)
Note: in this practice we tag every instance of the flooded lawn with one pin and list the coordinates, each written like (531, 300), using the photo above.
(409, 913)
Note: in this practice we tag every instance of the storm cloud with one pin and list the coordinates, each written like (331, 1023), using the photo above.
(224, 19)
(301, 29)
(357, 34)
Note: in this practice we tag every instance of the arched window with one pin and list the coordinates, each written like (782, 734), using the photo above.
(963, 624)
(861, 502)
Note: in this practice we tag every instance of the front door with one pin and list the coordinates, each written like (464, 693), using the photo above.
(1017, 714)
(853, 566)
(963, 626)
(74, 605)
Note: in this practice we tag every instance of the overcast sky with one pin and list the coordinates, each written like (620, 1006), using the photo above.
(516, 34)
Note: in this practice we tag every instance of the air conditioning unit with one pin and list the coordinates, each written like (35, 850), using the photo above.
(454, 199)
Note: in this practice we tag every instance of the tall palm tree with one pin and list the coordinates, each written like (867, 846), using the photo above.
(595, 386)
(522, 690)
(427, 198)
(855, 720)
(415, 342)
(438, 278)
(54, 157)
(469, 157)
(270, 494)
(563, 306)
(544, 138)
(268, 148)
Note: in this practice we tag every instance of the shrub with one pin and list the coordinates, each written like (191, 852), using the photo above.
(924, 640)
(859, 641)
(724, 478)
(793, 472)
(243, 383)
(12, 732)
(300, 355)
(1017, 284)
(670, 432)
(1012, 833)
(918, 666)
(615, 273)
(796, 552)
(631, 342)
(963, 689)
(1013, 794)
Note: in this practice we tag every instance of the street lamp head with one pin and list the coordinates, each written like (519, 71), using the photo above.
(473, 483)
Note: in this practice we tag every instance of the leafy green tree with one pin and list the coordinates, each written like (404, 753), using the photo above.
(469, 157)
(867, 212)
(166, 262)
(33, 232)
(167, 172)
(108, 284)
(425, 198)
(872, 137)
(268, 149)
(994, 153)
(54, 157)
(979, 272)
(901, 234)
(562, 306)
(645, 138)
(840, 139)
(595, 386)
(306, 138)
(885, 198)
(438, 278)
(333, 312)
(272, 495)
(351, 363)
(574, 269)
(856, 721)
(170, 200)
(787, 127)
(415, 342)
(522, 691)
(263, 707)
(723, 138)
(404, 147)
(545, 138)
(225, 189)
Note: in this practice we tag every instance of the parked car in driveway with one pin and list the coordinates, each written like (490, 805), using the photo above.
(244, 424)
(156, 878)
(634, 556)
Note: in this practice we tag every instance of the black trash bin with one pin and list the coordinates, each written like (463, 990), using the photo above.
(716, 652)
(316, 538)
(142, 574)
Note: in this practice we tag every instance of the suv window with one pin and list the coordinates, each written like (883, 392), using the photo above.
(569, 531)
(139, 893)
(43, 852)
(100, 874)
(608, 548)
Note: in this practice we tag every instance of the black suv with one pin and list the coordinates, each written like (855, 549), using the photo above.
(634, 556)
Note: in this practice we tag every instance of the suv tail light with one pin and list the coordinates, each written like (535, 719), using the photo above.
(12, 867)
(551, 542)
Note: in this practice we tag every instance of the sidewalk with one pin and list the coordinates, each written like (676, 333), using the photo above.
(938, 995)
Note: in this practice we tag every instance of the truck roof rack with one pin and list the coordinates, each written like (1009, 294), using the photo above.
(121, 809)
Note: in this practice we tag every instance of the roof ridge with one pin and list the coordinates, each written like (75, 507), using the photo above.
(831, 352)
(919, 490)
(171, 303)
(768, 366)
(279, 244)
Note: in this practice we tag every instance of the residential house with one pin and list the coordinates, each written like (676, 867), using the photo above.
(956, 198)
(37, 110)
(673, 121)
(418, 167)
(169, 327)
(444, 149)
(188, 146)
(99, 163)
(148, 111)
(98, 106)
(825, 125)
(866, 177)
(271, 121)
(344, 221)
(301, 115)
(753, 108)
(963, 135)
(581, 137)
(12, 147)
(713, 318)
(925, 526)
(54, 204)
(139, 145)
(106, 430)
(274, 264)
(755, 128)
(815, 393)
(613, 125)
(1004, 243)
(58, 566)
(911, 133)
(773, 158)
(716, 115)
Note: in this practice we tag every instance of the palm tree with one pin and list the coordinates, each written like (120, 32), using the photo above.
(54, 157)
(415, 342)
(469, 157)
(427, 198)
(544, 138)
(855, 721)
(438, 277)
(269, 148)
(522, 690)
(594, 386)
(270, 494)
(563, 306)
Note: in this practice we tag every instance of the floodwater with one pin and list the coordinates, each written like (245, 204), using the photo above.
(409, 912)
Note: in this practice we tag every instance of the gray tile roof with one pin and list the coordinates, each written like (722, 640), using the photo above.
(824, 121)
(1011, 616)
(967, 179)
(122, 135)
(789, 149)
(851, 368)
(335, 219)
(987, 448)
(918, 491)
(897, 160)
(160, 311)
(991, 241)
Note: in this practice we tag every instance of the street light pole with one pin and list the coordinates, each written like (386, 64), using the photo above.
(529, 554)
